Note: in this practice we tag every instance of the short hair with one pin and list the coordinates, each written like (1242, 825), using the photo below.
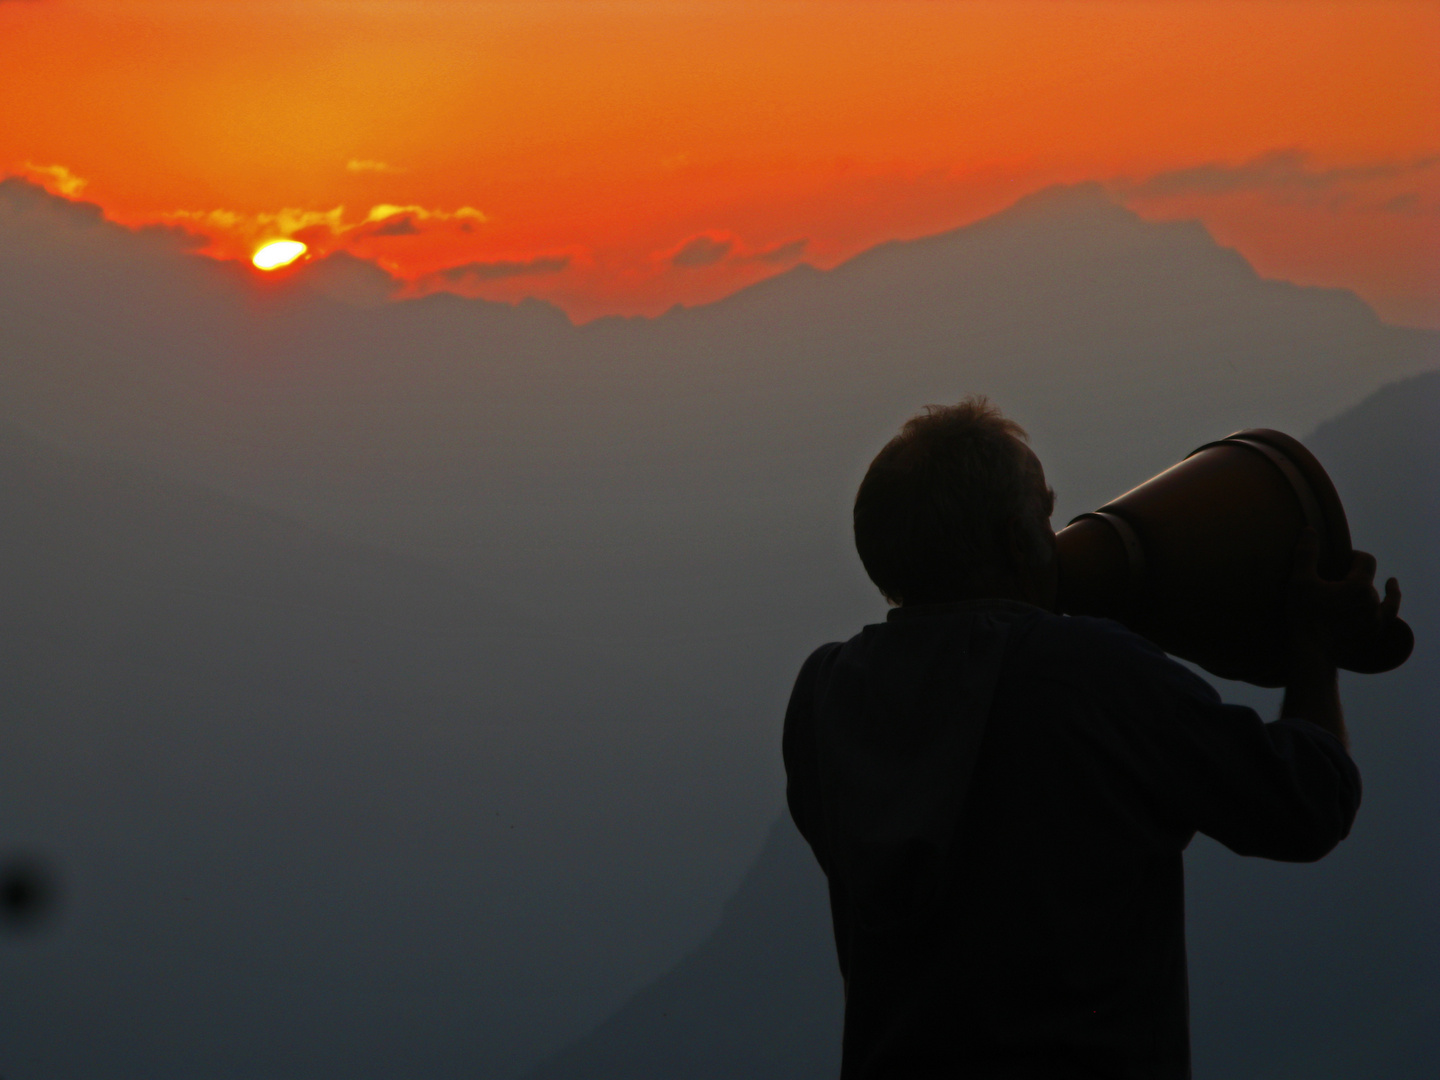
(937, 507)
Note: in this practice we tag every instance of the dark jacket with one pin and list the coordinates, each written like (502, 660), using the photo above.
(999, 798)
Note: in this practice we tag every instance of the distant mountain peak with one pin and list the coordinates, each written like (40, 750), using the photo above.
(1066, 199)
(23, 195)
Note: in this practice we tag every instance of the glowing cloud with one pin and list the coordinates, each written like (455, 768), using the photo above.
(285, 221)
(234, 234)
(57, 178)
(388, 210)
(278, 253)
(365, 165)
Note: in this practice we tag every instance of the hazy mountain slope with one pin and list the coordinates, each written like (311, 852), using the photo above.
(1073, 311)
(318, 807)
(1323, 971)
(1333, 971)
(480, 434)
(761, 998)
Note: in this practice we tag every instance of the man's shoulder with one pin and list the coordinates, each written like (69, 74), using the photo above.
(1084, 652)
(1065, 637)
(1095, 653)
(822, 658)
(1088, 637)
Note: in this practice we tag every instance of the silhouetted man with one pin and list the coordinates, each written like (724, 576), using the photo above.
(999, 796)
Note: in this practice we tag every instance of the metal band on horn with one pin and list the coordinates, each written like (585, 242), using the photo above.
(1309, 505)
(1134, 550)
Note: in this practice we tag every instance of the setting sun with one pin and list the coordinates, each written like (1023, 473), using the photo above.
(278, 253)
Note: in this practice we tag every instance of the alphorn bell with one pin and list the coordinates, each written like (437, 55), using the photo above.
(1198, 559)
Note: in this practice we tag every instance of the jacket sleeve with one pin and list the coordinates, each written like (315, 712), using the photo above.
(801, 752)
(1283, 790)
(802, 788)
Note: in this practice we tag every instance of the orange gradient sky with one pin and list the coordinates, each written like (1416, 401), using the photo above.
(625, 156)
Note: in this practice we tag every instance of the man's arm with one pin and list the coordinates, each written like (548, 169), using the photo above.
(1319, 613)
(1285, 790)
(1312, 690)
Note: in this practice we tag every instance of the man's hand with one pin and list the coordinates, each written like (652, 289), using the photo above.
(1321, 615)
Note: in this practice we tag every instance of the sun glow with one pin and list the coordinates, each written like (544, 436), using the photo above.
(278, 253)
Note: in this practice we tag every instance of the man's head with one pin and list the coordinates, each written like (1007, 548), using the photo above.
(955, 507)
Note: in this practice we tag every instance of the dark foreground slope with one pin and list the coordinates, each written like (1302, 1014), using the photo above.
(1323, 972)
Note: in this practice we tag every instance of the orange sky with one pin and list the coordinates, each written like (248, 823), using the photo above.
(623, 156)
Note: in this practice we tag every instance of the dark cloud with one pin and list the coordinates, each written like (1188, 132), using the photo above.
(398, 225)
(22, 194)
(349, 279)
(1277, 171)
(701, 251)
(1408, 203)
(23, 191)
(313, 234)
(782, 253)
(506, 268)
(174, 235)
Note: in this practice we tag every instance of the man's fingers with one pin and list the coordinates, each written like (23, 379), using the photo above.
(1347, 608)
(1362, 567)
(1390, 606)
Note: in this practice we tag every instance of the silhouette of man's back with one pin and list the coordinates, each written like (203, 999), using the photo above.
(1030, 922)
